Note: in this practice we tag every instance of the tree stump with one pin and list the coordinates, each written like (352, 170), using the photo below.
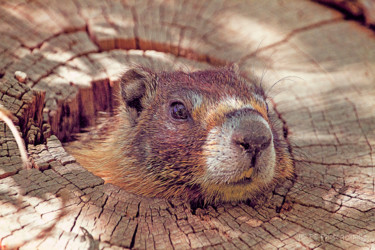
(73, 53)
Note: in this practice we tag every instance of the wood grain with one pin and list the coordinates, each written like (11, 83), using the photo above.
(73, 53)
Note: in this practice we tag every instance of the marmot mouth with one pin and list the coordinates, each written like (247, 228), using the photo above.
(245, 178)
(243, 181)
(253, 160)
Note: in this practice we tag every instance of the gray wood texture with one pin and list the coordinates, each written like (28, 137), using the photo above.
(73, 53)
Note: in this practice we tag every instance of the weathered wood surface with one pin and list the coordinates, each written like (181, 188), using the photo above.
(73, 53)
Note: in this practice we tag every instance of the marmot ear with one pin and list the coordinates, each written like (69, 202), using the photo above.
(137, 85)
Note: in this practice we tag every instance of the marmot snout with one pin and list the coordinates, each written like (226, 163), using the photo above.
(201, 135)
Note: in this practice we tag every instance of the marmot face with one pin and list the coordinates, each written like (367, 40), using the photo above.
(205, 134)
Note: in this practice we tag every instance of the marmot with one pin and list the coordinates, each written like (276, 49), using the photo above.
(203, 135)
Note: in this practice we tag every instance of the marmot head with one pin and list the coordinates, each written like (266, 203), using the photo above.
(202, 135)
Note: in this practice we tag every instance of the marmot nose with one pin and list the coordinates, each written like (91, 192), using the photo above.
(252, 136)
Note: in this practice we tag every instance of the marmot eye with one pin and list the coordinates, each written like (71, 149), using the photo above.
(179, 111)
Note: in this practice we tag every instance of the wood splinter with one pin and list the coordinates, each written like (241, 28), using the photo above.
(5, 116)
